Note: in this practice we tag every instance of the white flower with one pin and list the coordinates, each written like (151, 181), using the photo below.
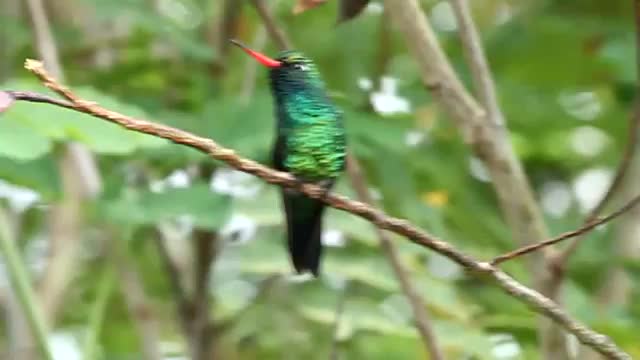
(234, 183)
(64, 346)
(386, 101)
(442, 17)
(20, 198)
(240, 228)
(365, 84)
(584, 105)
(478, 170)
(333, 237)
(588, 141)
(590, 186)
(556, 198)
(505, 346)
(413, 138)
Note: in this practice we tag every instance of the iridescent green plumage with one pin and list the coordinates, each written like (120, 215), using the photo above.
(310, 144)
(309, 125)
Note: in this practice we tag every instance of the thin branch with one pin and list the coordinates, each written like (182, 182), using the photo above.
(587, 227)
(19, 276)
(534, 299)
(251, 66)
(80, 179)
(222, 29)
(559, 263)
(477, 60)
(183, 304)
(38, 98)
(334, 354)
(135, 298)
(206, 250)
(422, 319)
(105, 286)
(592, 220)
(273, 29)
(44, 40)
(486, 136)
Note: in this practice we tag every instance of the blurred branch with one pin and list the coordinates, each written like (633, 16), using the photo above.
(80, 179)
(193, 307)
(515, 196)
(21, 283)
(422, 320)
(97, 313)
(206, 249)
(476, 59)
(334, 354)
(559, 262)
(484, 132)
(135, 298)
(273, 29)
(45, 43)
(10, 9)
(251, 68)
(179, 292)
(223, 29)
(535, 300)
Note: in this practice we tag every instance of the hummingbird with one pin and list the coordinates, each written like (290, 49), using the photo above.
(310, 143)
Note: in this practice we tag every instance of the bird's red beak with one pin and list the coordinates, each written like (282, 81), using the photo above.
(262, 59)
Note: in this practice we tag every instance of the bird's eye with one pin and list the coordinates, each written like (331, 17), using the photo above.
(302, 67)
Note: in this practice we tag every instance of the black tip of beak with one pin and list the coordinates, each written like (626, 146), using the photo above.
(237, 43)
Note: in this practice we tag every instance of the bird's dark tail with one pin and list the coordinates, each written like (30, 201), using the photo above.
(304, 231)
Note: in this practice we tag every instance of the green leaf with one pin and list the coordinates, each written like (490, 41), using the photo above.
(40, 174)
(206, 208)
(37, 122)
(18, 142)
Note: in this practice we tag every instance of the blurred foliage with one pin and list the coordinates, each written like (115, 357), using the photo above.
(564, 69)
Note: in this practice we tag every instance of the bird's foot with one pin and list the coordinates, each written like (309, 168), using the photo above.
(298, 186)
(326, 185)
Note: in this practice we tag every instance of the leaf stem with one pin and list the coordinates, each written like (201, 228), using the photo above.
(98, 311)
(22, 285)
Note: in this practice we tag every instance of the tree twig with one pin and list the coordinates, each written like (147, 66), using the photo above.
(21, 283)
(135, 298)
(183, 304)
(79, 177)
(535, 300)
(422, 319)
(206, 249)
(476, 59)
(97, 313)
(273, 29)
(334, 354)
(485, 134)
(587, 227)
(560, 261)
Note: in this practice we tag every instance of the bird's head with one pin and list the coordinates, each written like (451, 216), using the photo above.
(289, 71)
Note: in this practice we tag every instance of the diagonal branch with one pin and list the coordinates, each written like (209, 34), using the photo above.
(629, 151)
(590, 224)
(532, 298)
(279, 36)
(483, 83)
(551, 340)
(422, 319)
(485, 133)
